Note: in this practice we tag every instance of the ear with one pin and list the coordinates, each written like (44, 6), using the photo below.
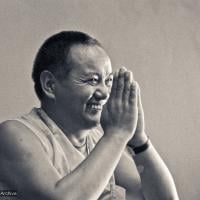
(48, 81)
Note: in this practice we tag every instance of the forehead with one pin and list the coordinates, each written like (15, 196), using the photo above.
(89, 59)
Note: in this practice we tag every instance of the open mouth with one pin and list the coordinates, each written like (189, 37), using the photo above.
(94, 106)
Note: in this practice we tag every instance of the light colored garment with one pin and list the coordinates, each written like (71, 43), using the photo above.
(62, 155)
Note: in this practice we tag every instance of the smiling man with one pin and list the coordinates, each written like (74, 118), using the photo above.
(77, 145)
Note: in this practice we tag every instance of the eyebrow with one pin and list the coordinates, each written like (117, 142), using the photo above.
(97, 74)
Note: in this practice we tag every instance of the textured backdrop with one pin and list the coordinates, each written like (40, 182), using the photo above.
(158, 40)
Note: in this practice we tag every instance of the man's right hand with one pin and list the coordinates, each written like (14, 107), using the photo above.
(120, 114)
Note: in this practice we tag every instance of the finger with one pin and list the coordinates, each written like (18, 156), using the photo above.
(127, 83)
(140, 108)
(114, 85)
(104, 115)
(133, 97)
(131, 77)
(139, 97)
(120, 84)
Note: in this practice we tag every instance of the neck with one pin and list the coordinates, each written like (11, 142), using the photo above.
(76, 134)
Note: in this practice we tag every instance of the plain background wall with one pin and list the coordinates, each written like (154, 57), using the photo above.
(158, 40)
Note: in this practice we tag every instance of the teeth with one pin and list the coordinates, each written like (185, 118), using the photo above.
(95, 106)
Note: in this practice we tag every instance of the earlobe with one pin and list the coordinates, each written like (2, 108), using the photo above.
(47, 81)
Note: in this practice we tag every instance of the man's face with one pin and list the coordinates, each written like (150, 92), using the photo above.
(86, 89)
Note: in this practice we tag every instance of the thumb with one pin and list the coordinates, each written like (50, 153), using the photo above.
(104, 115)
(140, 108)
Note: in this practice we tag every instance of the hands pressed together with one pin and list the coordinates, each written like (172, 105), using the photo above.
(123, 116)
(123, 113)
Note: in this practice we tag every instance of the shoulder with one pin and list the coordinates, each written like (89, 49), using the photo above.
(23, 158)
(14, 129)
(16, 139)
(11, 129)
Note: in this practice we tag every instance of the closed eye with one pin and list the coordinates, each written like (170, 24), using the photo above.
(93, 81)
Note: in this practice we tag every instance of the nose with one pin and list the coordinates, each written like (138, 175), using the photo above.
(102, 92)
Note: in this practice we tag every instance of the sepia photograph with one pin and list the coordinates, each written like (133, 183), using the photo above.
(100, 100)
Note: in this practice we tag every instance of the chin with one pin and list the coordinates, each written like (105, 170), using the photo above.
(92, 122)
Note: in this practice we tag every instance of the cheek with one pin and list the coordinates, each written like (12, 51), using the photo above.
(81, 95)
(85, 92)
(75, 95)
